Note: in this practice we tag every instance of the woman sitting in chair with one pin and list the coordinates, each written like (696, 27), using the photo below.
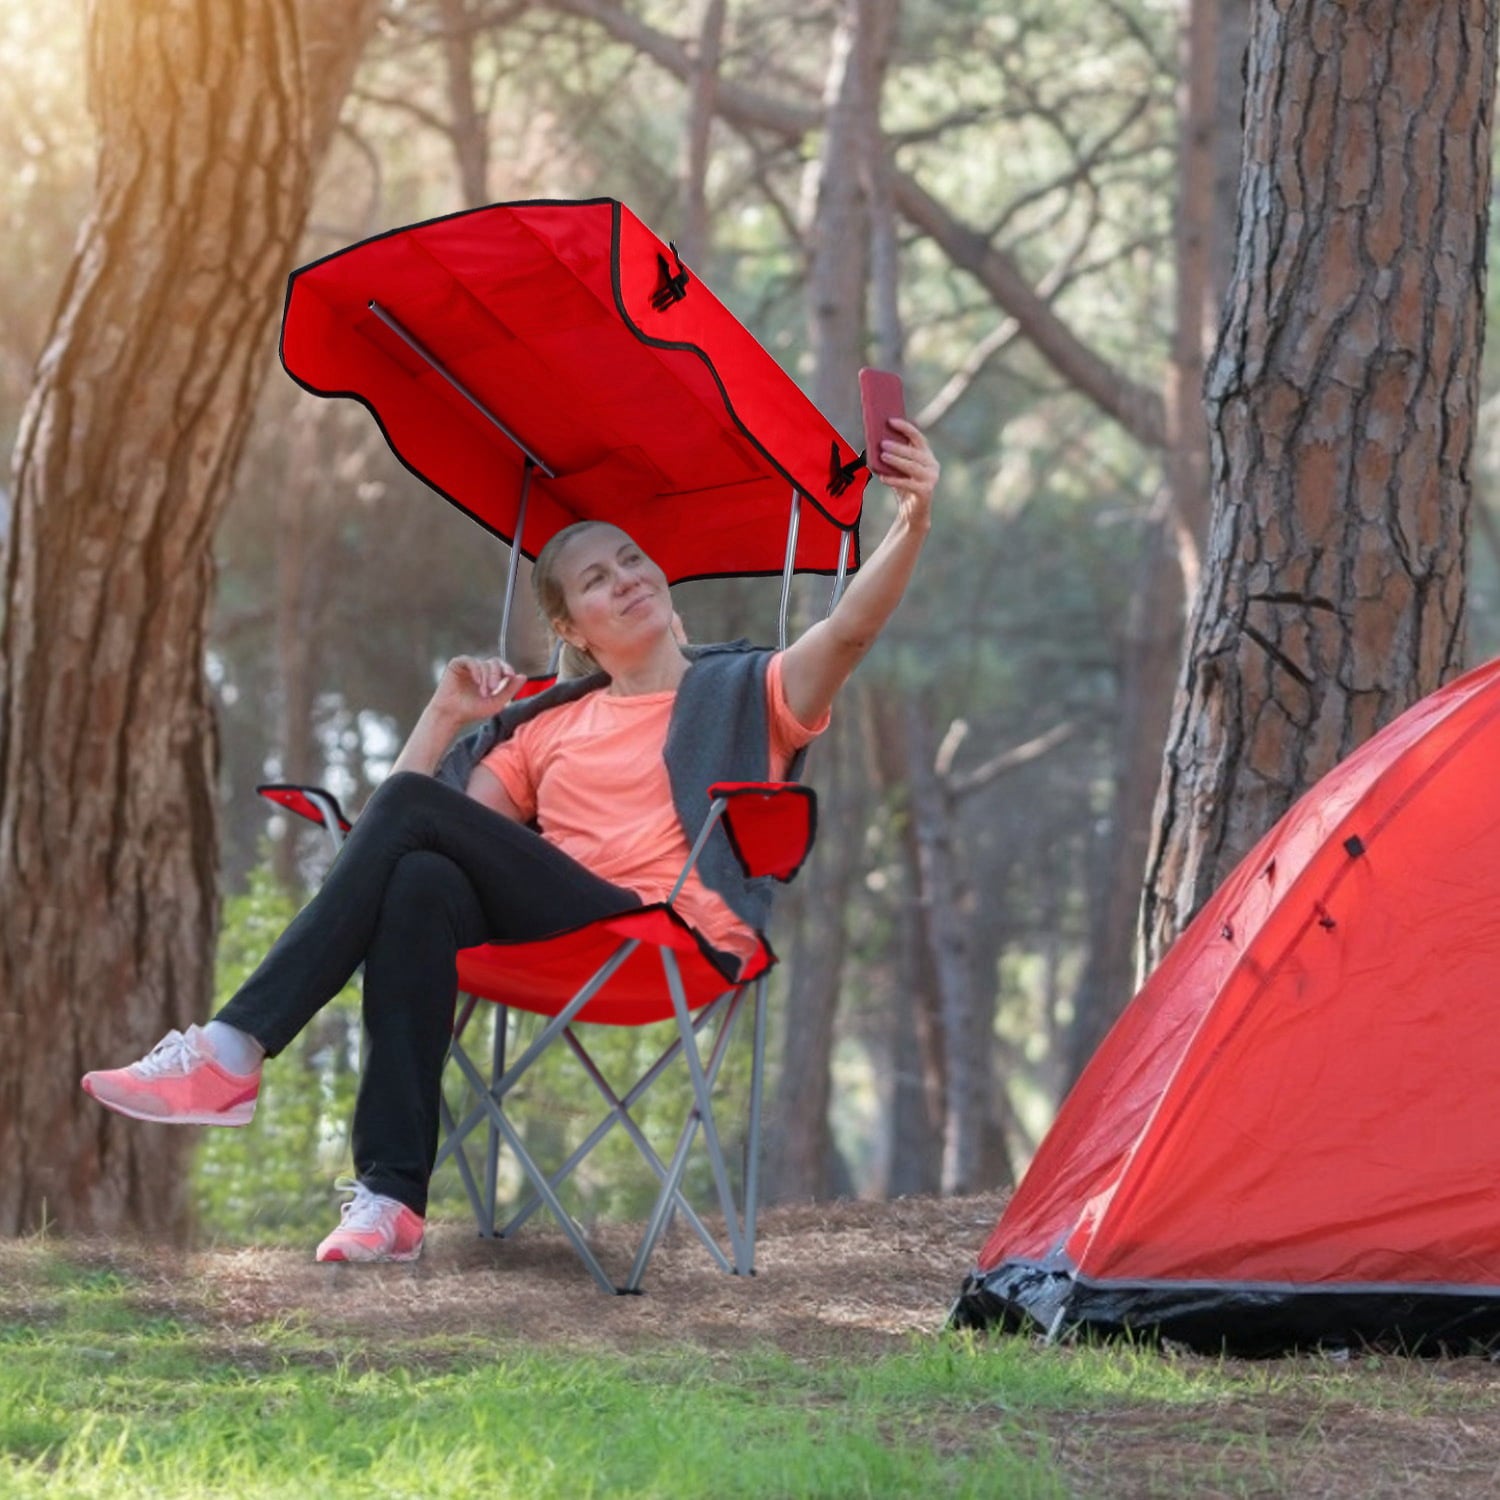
(601, 766)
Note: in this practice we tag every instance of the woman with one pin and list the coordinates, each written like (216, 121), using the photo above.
(608, 766)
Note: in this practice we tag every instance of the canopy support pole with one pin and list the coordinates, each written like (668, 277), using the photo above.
(792, 525)
(424, 354)
(515, 553)
(841, 578)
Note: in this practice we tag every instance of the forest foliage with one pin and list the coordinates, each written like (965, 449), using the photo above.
(1048, 127)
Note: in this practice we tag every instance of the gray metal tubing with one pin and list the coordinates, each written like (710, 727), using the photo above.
(671, 1195)
(423, 353)
(330, 817)
(602, 1129)
(794, 522)
(715, 812)
(466, 1172)
(705, 1105)
(564, 1219)
(515, 554)
(602, 976)
(757, 1077)
(842, 575)
(470, 1002)
(619, 1115)
(492, 1151)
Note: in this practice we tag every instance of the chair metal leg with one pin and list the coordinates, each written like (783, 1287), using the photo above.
(619, 1115)
(670, 1195)
(534, 1172)
(492, 1153)
(544, 1039)
(752, 1145)
(705, 1106)
(465, 1171)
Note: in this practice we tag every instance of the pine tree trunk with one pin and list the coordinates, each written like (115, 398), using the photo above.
(108, 852)
(838, 282)
(1342, 401)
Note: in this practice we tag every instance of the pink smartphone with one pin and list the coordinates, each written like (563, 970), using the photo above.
(880, 398)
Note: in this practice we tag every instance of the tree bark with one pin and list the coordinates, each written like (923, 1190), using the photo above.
(802, 1161)
(837, 216)
(468, 123)
(1137, 408)
(108, 901)
(692, 237)
(947, 907)
(1341, 398)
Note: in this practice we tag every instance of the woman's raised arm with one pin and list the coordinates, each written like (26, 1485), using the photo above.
(819, 662)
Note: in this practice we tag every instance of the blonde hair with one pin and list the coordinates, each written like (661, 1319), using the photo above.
(552, 599)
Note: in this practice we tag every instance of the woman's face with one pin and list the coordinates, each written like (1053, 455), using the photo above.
(617, 598)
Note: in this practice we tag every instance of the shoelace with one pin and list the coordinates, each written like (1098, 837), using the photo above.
(174, 1053)
(365, 1211)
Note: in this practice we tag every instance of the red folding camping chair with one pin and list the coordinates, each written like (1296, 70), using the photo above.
(539, 364)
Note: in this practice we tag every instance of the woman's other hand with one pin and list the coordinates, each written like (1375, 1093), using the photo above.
(474, 687)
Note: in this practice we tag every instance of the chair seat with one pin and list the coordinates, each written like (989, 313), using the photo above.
(544, 975)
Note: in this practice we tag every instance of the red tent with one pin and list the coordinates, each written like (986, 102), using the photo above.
(564, 344)
(1292, 1135)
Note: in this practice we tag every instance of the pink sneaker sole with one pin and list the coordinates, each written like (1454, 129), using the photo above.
(239, 1113)
(336, 1256)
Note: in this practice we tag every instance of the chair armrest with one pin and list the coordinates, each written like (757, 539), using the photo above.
(771, 825)
(301, 800)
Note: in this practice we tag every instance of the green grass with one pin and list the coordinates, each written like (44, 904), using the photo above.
(100, 1396)
(107, 1390)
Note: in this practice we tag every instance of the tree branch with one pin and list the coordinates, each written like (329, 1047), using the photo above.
(1136, 407)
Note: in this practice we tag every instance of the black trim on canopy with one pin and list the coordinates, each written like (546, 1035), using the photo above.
(1253, 1319)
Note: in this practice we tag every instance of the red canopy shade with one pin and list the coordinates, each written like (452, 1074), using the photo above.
(589, 345)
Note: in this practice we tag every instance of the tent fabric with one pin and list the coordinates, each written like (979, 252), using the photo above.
(572, 323)
(1291, 1134)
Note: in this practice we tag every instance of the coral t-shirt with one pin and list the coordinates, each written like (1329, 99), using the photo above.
(592, 776)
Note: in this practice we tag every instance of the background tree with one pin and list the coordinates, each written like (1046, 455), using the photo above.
(1342, 397)
(207, 116)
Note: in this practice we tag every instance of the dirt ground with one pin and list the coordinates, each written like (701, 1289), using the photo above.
(855, 1277)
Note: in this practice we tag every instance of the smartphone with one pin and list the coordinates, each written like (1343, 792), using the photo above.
(880, 398)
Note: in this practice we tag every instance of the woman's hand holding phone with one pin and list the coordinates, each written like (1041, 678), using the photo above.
(895, 449)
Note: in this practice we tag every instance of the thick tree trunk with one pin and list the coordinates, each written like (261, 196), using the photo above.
(1342, 399)
(108, 875)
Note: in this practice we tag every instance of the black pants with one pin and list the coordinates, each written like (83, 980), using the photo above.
(425, 872)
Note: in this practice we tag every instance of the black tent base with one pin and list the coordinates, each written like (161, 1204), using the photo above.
(1252, 1319)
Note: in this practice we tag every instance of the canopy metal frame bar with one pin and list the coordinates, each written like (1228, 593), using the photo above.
(534, 463)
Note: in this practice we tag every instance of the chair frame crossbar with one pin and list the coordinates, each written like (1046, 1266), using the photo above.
(489, 1109)
(489, 1095)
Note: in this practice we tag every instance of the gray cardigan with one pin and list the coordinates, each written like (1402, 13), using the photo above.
(719, 731)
